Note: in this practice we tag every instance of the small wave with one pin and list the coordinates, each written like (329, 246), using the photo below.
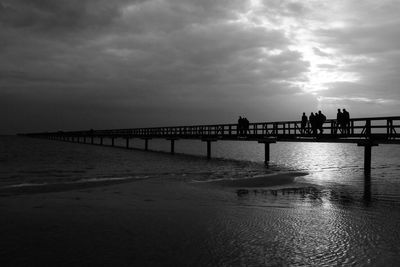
(24, 185)
(77, 182)
(255, 176)
(91, 180)
(264, 180)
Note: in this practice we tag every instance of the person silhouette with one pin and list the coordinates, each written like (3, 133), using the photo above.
(313, 122)
(346, 122)
(303, 122)
(321, 118)
(339, 121)
(240, 126)
(246, 125)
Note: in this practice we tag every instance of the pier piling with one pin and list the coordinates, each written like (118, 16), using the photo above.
(209, 149)
(172, 146)
(266, 149)
(127, 142)
(367, 159)
(209, 140)
(367, 156)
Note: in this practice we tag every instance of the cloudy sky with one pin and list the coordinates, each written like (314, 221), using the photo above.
(80, 64)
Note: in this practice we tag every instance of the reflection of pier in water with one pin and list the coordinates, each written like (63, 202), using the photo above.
(366, 132)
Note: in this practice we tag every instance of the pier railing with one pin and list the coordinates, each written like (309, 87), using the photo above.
(379, 129)
(366, 132)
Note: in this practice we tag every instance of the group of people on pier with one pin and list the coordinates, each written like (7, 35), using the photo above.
(343, 121)
(243, 125)
(317, 120)
(314, 124)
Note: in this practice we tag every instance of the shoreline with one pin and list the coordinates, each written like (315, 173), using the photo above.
(141, 222)
(22, 189)
(267, 180)
(163, 222)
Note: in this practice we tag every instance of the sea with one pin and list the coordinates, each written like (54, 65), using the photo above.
(331, 215)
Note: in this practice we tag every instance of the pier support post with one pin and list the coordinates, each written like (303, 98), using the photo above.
(84, 139)
(266, 143)
(92, 140)
(367, 188)
(112, 141)
(101, 141)
(146, 144)
(367, 156)
(172, 144)
(367, 159)
(209, 140)
(127, 142)
(266, 148)
(208, 149)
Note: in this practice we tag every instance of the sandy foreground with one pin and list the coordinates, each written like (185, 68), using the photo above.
(154, 222)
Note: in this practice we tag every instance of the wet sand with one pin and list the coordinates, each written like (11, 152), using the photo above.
(155, 222)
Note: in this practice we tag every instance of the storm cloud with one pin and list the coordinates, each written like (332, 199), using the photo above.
(82, 64)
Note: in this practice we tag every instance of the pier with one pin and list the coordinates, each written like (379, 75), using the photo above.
(365, 132)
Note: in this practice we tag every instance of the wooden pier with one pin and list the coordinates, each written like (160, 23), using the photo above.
(365, 132)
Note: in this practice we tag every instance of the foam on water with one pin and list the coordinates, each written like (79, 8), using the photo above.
(88, 180)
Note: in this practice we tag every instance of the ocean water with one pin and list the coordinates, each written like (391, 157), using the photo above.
(331, 216)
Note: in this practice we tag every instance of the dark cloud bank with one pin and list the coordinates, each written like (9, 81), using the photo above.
(82, 64)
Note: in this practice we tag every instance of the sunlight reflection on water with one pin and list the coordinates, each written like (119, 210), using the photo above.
(292, 230)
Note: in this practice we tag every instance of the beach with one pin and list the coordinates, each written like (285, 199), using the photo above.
(162, 222)
(65, 204)
(154, 222)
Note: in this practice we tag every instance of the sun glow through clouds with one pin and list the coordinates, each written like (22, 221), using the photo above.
(323, 70)
(325, 65)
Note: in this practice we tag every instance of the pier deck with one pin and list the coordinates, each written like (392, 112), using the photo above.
(366, 132)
